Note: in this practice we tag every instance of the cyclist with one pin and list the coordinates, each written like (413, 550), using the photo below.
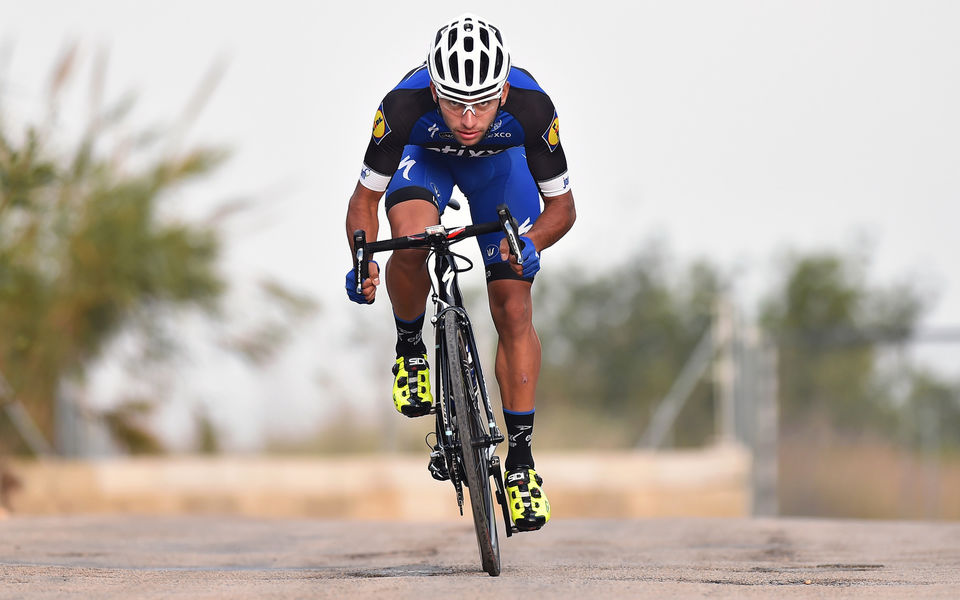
(468, 117)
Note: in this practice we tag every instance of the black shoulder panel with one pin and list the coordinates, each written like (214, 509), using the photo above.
(392, 124)
(535, 112)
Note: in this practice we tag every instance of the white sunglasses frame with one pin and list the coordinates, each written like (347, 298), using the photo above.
(469, 106)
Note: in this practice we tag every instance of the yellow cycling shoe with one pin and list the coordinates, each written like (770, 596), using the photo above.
(529, 507)
(411, 386)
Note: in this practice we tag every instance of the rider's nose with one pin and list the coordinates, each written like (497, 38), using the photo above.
(469, 120)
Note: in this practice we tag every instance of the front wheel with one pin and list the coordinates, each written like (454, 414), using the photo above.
(471, 425)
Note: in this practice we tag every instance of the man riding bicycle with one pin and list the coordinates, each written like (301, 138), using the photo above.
(467, 117)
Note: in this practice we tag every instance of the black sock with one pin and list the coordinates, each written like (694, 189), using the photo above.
(519, 434)
(410, 336)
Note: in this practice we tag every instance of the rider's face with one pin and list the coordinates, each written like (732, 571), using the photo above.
(469, 122)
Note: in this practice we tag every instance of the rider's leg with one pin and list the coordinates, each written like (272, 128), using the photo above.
(417, 194)
(487, 182)
(407, 285)
(415, 197)
(517, 365)
(493, 180)
(517, 369)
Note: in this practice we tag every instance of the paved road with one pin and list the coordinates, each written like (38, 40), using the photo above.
(217, 557)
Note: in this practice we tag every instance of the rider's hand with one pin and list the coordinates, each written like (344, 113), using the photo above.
(531, 258)
(369, 285)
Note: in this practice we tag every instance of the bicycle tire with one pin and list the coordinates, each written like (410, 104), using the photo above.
(471, 426)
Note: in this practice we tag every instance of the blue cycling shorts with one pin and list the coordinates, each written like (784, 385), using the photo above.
(486, 181)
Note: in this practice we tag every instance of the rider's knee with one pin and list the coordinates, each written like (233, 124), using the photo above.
(412, 216)
(512, 312)
(408, 261)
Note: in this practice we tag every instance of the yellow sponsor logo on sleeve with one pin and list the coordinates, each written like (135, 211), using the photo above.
(553, 137)
(380, 126)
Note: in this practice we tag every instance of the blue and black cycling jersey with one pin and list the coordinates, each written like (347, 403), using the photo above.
(409, 116)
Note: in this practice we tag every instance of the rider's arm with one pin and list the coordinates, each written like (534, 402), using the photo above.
(557, 218)
(362, 214)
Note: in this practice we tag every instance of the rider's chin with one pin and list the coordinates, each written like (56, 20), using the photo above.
(469, 138)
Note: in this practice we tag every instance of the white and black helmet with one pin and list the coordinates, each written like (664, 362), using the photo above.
(468, 61)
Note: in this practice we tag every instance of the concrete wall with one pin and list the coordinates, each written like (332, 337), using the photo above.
(705, 482)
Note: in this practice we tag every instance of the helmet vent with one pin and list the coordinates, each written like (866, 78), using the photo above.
(451, 38)
(468, 44)
(454, 68)
(484, 67)
(498, 64)
(439, 64)
(468, 71)
(484, 38)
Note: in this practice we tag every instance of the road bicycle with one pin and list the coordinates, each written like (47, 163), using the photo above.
(466, 430)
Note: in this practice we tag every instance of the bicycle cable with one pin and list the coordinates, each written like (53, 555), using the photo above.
(456, 269)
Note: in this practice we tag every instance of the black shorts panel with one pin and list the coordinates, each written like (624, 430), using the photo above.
(503, 270)
(412, 192)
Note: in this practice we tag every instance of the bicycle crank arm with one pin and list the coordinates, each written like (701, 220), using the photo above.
(497, 475)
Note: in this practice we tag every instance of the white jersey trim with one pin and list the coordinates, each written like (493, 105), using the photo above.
(556, 186)
(372, 180)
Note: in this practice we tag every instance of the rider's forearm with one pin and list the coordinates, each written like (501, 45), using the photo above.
(557, 218)
(362, 213)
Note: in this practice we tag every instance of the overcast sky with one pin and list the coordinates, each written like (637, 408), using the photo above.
(729, 130)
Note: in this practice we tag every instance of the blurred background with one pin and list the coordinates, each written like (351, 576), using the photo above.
(760, 282)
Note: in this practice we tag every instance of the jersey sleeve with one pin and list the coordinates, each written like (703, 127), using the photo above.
(545, 157)
(392, 124)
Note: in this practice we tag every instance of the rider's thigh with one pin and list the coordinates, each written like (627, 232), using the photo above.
(490, 181)
(418, 191)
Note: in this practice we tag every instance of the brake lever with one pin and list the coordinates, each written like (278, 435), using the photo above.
(509, 226)
(361, 266)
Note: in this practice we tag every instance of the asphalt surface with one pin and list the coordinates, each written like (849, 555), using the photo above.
(217, 557)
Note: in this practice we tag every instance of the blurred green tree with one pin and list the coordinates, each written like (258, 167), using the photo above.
(84, 251)
(932, 418)
(614, 343)
(830, 324)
